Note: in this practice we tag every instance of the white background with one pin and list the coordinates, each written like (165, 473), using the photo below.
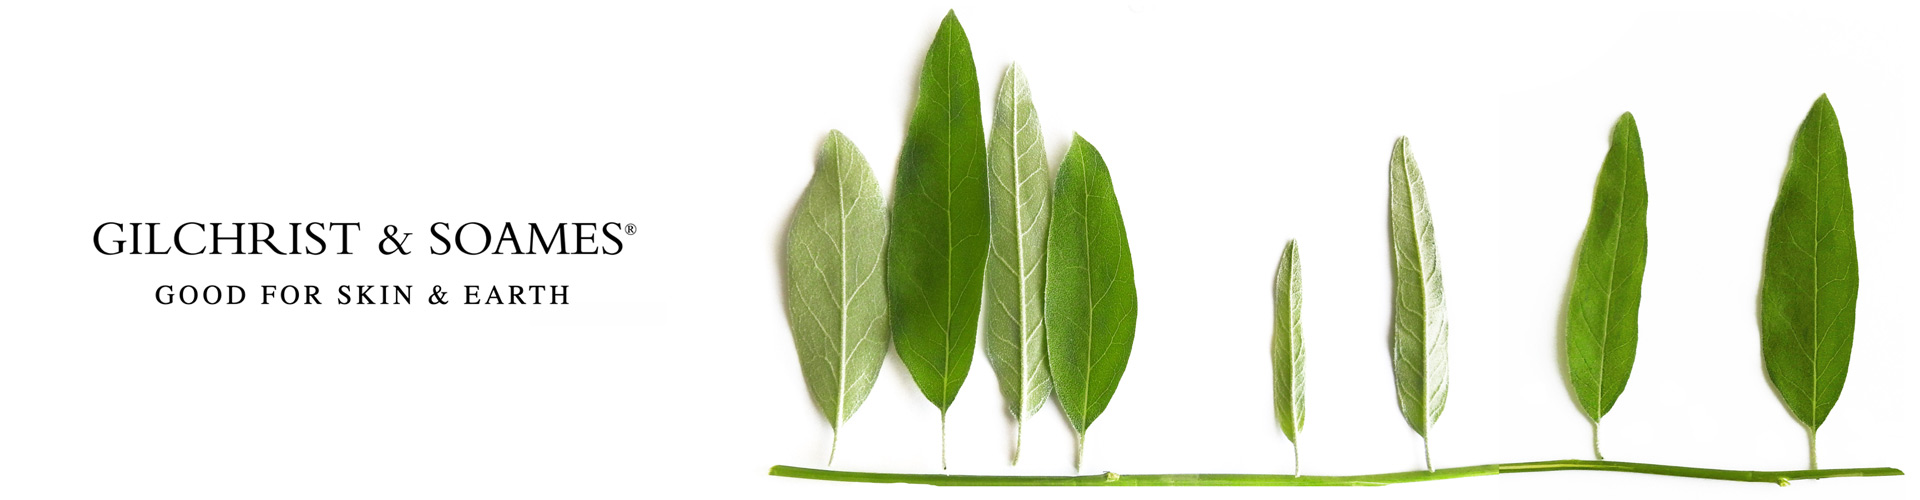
(1229, 128)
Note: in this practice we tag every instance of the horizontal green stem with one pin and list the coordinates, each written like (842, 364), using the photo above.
(1112, 479)
(1758, 476)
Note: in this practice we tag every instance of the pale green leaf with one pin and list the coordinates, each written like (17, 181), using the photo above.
(1811, 277)
(937, 251)
(1289, 354)
(835, 303)
(1419, 340)
(1018, 185)
(1091, 302)
(1603, 307)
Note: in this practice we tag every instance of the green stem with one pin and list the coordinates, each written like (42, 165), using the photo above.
(1813, 452)
(1426, 450)
(1016, 440)
(1596, 441)
(1112, 479)
(1296, 459)
(943, 439)
(834, 449)
(1079, 449)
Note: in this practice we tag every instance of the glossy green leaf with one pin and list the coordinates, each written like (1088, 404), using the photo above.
(1018, 185)
(1603, 308)
(835, 303)
(937, 252)
(1811, 277)
(1091, 303)
(1419, 341)
(1289, 355)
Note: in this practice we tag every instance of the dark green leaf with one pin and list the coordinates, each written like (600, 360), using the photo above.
(1603, 309)
(1811, 279)
(938, 246)
(1091, 304)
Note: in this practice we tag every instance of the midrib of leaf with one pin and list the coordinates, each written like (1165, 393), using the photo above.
(1420, 259)
(846, 301)
(1018, 188)
(946, 339)
(1813, 357)
(1086, 267)
(1613, 267)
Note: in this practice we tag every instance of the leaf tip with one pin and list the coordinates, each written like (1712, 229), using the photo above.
(1822, 105)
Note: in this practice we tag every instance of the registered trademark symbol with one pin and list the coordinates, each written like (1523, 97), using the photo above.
(632, 229)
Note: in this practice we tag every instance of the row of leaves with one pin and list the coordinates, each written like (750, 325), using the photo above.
(968, 216)
(1808, 289)
(971, 216)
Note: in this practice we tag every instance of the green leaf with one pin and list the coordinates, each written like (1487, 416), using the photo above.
(835, 302)
(1018, 187)
(1289, 355)
(1091, 303)
(1812, 276)
(1603, 308)
(938, 248)
(1419, 340)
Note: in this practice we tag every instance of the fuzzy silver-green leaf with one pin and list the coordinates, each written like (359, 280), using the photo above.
(1419, 340)
(1811, 277)
(1289, 354)
(1018, 187)
(1091, 301)
(835, 303)
(1603, 306)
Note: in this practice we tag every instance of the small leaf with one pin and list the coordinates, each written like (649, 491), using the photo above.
(835, 303)
(1091, 303)
(1289, 354)
(937, 252)
(1419, 340)
(1811, 277)
(1018, 187)
(1603, 309)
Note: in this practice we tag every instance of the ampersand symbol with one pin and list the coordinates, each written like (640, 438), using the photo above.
(438, 297)
(398, 245)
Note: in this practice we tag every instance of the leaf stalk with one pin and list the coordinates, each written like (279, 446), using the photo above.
(1813, 452)
(1596, 441)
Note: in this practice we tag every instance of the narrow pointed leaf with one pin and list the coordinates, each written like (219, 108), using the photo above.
(1019, 185)
(938, 248)
(1603, 308)
(835, 303)
(1811, 277)
(1091, 302)
(1419, 341)
(1289, 354)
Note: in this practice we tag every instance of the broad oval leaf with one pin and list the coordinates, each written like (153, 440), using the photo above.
(1603, 308)
(937, 251)
(1419, 340)
(1289, 354)
(1091, 301)
(1811, 277)
(1018, 185)
(835, 303)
